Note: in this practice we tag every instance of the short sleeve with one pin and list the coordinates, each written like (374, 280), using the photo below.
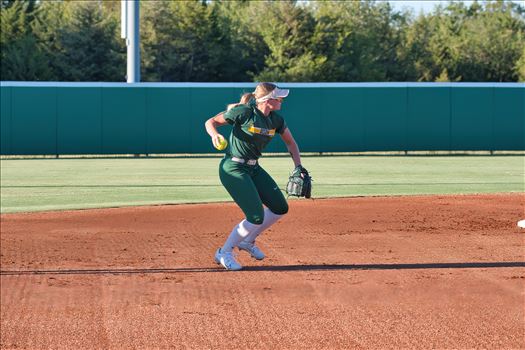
(237, 114)
(280, 124)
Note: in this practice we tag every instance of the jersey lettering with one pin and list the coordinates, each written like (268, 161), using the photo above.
(261, 131)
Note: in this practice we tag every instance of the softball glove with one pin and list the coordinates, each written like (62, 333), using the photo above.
(299, 183)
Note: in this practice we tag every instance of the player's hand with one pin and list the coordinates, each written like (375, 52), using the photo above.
(216, 140)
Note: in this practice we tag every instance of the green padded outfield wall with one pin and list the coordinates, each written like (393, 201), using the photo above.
(5, 120)
(167, 118)
(79, 130)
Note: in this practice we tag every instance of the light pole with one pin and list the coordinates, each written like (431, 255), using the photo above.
(130, 31)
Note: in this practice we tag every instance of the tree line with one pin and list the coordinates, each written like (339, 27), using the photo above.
(241, 41)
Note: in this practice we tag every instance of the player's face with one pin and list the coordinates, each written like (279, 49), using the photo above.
(274, 104)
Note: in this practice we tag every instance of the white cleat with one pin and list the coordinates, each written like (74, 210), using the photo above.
(251, 248)
(227, 259)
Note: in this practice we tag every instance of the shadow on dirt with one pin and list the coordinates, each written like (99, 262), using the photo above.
(276, 268)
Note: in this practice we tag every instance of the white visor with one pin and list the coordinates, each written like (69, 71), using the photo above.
(276, 93)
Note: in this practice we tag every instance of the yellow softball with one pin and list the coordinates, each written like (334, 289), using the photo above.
(222, 144)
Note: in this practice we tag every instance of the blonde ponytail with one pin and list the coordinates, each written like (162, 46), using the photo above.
(245, 99)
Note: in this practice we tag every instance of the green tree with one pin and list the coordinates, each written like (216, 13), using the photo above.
(480, 42)
(20, 56)
(288, 40)
(490, 44)
(359, 41)
(285, 29)
(79, 41)
(428, 47)
(48, 29)
(520, 67)
(187, 41)
(246, 51)
(31, 6)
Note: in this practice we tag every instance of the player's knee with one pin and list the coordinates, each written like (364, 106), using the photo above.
(256, 219)
(281, 210)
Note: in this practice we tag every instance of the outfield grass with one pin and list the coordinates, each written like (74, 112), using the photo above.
(54, 184)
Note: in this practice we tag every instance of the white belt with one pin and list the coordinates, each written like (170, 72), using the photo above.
(242, 161)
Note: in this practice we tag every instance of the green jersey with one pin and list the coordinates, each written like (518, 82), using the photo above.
(252, 130)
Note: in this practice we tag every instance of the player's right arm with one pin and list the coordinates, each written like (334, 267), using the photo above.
(211, 127)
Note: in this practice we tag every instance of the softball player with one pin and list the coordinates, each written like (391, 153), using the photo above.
(255, 123)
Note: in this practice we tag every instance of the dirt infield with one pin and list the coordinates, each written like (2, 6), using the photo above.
(381, 272)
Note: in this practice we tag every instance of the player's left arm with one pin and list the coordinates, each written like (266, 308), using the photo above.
(292, 146)
(300, 183)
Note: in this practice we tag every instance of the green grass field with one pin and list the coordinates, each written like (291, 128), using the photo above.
(54, 184)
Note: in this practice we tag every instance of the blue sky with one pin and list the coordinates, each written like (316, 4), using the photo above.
(427, 5)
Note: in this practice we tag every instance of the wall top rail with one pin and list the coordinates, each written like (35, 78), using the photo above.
(251, 85)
